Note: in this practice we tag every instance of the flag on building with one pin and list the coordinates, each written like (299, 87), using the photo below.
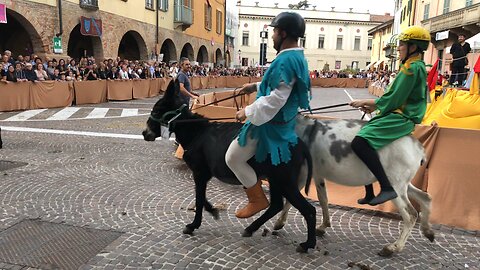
(3, 13)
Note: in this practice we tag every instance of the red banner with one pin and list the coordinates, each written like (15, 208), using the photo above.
(3, 13)
(90, 27)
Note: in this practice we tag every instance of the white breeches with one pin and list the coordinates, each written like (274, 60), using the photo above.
(237, 157)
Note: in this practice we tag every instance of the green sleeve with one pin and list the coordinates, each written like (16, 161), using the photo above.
(399, 91)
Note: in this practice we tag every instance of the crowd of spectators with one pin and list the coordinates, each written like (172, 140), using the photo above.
(338, 74)
(34, 68)
(381, 78)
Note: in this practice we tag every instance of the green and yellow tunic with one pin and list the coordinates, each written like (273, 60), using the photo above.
(400, 108)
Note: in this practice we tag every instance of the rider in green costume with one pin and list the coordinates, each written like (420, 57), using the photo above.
(400, 108)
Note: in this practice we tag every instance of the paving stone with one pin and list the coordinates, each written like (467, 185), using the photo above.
(140, 189)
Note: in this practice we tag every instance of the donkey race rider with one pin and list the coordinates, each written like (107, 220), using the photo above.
(206, 143)
(270, 129)
(400, 108)
(400, 157)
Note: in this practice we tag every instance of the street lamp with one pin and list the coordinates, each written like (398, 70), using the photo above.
(263, 49)
(239, 57)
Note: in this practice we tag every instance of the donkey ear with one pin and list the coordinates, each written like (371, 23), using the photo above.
(170, 93)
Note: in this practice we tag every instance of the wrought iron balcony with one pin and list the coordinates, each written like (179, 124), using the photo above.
(89, 4)
(183, 14)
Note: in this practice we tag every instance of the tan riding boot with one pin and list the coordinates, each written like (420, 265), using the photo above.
(256, 201)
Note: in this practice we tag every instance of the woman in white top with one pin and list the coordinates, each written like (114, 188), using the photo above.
(41, 73)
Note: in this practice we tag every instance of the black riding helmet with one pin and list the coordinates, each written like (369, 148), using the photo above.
(290, 22)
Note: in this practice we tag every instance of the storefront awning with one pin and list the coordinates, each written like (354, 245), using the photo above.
(369, 65)
(377, 64)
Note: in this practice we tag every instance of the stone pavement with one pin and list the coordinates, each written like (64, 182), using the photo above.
(140, 191)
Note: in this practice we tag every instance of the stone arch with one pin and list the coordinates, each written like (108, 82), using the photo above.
(80, 45)
(132, 46)
(202, 55)
(219, 58)
(187, 51)
(20, 36)
(168, 51)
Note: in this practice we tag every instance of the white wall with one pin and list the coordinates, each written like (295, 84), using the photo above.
(253, 19)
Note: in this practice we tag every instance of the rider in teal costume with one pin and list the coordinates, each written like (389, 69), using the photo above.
(276, 136)
(270, 129)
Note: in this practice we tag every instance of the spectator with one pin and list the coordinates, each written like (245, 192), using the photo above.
(69, 76)
(45, 64)
(26, 59)
(102, 71)
(185, 92)
(123, 73)
(459, 51)
(61, 65)
(30, 73)
(2, 71)
(19, 73)
(10, 75)
(113, 74)
(10, 59)
(73, 66)
(19, 58)
(6, 63)
(56, 75)
(90, 74)
(50, 68)
(173, 70)
(41, 74)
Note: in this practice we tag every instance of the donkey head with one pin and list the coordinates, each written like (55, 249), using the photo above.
(166, 109)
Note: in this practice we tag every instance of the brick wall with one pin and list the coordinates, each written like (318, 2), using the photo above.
(41, 23)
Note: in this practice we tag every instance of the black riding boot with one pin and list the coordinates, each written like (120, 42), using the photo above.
(369, 195)
(370, 157)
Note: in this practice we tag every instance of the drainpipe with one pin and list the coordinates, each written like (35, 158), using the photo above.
(224, 34)
(60, 18)
(156, 33)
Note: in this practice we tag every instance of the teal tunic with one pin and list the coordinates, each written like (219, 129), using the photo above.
(400, 108)
(276, 136)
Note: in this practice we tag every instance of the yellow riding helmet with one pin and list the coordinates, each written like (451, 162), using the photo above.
(416, 35)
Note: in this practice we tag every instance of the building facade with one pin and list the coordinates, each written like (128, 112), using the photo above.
(384, 53)
(334, 39)
(446, 19)
(107, 29)
(231, 33)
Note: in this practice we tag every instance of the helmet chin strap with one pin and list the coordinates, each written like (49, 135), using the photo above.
(408, 53)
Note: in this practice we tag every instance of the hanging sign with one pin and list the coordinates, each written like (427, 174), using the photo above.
(90, 27)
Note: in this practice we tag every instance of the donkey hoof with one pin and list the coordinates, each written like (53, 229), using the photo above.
(215, 214)
(319, 232)
(386, 252)
(303, 247)
(278, 227)
(300, 249)
(247, 233)
(188, 230)
(430, 235)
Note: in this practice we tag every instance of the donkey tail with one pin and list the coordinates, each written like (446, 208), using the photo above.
(308, 157)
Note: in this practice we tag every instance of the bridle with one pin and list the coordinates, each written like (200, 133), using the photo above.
(163, 120)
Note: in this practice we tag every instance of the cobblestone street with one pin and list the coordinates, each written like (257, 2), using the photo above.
(140, 191)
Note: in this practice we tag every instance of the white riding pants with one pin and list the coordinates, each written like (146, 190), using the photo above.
(236, 159)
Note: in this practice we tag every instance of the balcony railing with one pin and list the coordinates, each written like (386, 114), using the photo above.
(457, 18)
(182, 14)
(89, 4)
